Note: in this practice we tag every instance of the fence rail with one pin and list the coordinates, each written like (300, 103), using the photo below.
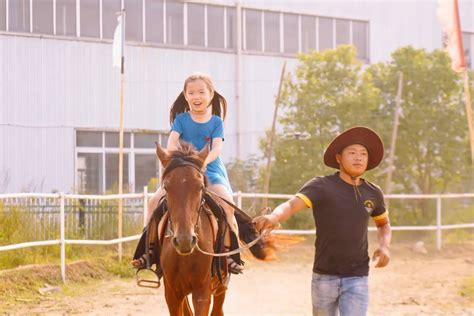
(59, 201)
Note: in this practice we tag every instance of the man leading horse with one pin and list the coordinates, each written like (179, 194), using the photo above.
(342, 204)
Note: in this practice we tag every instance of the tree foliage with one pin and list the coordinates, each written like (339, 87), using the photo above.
(432, 154)
(330, 91)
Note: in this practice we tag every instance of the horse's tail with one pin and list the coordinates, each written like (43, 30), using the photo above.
(264, 248)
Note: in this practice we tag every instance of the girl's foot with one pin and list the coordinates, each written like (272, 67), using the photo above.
(140, 263)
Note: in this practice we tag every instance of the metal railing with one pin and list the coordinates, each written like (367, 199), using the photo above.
(59, 200)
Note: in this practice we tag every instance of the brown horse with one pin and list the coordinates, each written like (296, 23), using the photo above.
(191, 226)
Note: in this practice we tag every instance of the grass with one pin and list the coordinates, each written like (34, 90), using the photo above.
(467, 289)
(21, 285)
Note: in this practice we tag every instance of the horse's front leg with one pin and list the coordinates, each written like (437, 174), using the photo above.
(174, 300)
(202, 300)
(218, 304)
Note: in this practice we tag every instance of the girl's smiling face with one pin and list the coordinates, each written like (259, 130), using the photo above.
(198, 96)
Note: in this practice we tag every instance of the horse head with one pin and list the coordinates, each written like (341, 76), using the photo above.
(184, 182)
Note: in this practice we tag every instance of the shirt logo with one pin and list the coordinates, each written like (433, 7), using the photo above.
(369, 206)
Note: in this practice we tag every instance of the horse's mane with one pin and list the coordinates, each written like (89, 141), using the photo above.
(184, 153)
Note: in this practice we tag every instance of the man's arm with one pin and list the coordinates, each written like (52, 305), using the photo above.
(384, 236)
(266, 223)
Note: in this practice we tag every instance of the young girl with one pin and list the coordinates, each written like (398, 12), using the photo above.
(196, 117)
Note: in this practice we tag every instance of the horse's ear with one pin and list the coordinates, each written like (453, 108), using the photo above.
(162, 154)
(203, 153)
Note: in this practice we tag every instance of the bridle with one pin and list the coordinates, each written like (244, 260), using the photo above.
(177, 162)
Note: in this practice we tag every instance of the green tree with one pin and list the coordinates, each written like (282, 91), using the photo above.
(432, 154)
(328, 92)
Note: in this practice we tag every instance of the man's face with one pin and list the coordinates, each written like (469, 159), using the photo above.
(353, 159)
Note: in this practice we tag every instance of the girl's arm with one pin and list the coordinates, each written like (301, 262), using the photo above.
(173, 140)
(215, 151)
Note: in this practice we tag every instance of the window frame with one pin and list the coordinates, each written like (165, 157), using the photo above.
(183, 43)
(131, 151)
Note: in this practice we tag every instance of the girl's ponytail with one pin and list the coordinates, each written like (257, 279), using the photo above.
(219, 105)
(180, 105)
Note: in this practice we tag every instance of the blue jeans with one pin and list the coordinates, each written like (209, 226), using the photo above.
(330, 293)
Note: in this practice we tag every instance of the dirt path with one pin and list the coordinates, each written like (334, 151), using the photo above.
(413, 284)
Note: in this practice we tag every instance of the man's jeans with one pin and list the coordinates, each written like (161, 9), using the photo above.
(331, 293)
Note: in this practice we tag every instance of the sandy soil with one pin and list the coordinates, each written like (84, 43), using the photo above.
(413, 284)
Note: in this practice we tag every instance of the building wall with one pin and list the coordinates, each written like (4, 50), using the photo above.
(51, 86)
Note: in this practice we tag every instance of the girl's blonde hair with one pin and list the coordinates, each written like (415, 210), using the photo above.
(218, 102)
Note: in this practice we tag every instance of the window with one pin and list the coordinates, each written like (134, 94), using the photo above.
(90, 18)
(110, 10)
(272, 32)
(98, 158)
(134, 20)
(290, 33)
(66, 17)
(112, 172)
(360, 39)
(89, 139)
(146, 168)
(231, 28)
(215, 29)
(308, 33)
(253, 30)
(43, 16)
(89, 173)
(19, 16)
(112, 139)
(3, 15)
(174, 22)
(196, 24)
(325, 33)
(154, 21)
(343, 32)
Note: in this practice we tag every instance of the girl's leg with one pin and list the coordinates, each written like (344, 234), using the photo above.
(153, 202)
(221, 190)
(140, 262)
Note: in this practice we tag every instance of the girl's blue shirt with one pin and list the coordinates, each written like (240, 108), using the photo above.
(200, 134)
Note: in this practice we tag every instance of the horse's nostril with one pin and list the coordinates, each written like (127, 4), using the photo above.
(175, 242)
(194, 241)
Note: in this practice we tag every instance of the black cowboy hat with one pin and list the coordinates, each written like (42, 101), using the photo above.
(355, 135)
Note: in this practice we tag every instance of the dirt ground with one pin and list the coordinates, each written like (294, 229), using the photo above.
(412, 284)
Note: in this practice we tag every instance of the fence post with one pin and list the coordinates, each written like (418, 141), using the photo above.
(438, 223)
(239, 199)
(62, 236)
(145, 204)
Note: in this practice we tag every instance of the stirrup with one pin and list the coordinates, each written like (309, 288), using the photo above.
(144, 279)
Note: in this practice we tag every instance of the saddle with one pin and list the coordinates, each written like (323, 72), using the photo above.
(149, 245)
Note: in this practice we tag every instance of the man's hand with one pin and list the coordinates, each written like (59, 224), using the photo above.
(266, 223)
(383, 256)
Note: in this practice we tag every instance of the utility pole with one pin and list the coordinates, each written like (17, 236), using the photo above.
(393, 141)
(271, 137)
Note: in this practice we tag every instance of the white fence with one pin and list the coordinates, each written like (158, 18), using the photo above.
(5, 199)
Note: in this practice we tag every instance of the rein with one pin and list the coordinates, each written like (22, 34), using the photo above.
(235, 251)
(181, 162)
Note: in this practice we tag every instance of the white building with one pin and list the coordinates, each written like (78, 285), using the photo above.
(59, 95)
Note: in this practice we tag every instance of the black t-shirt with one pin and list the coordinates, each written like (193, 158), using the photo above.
(341, 223)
